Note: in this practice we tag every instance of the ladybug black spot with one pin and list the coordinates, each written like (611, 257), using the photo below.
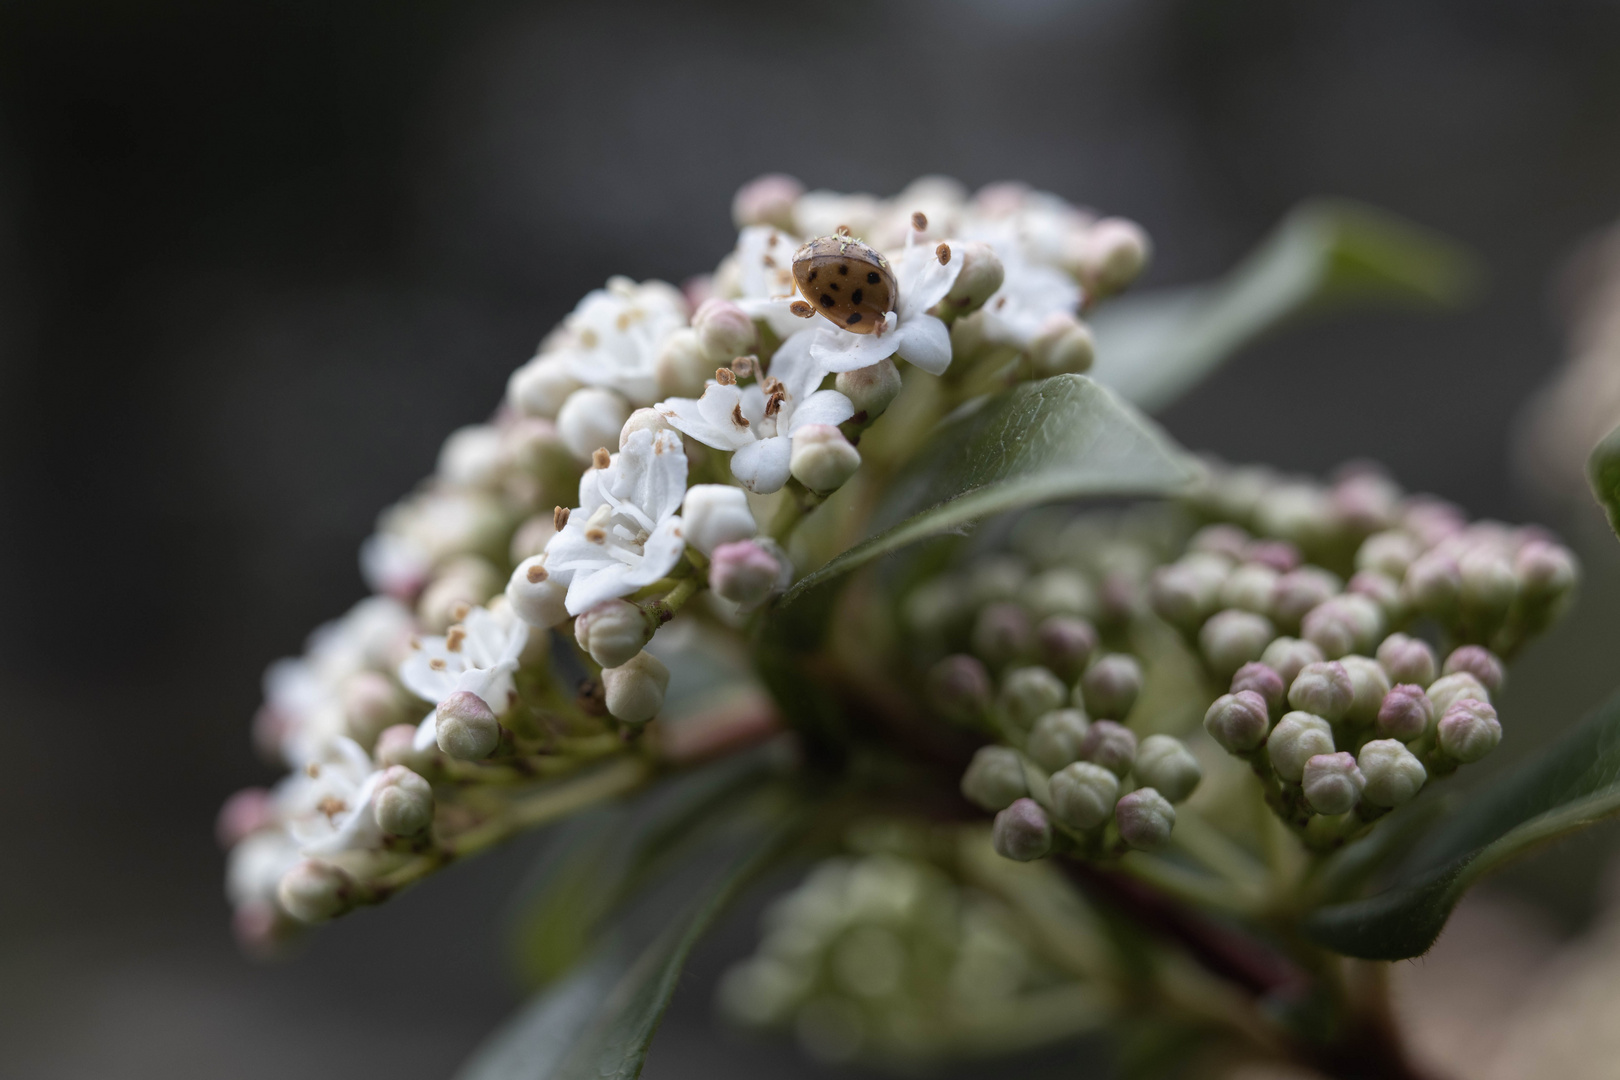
(843, 268)
(855, 297)
(826, 301)
(812, 275)
(872, 278)
(833, 286)
(853, 319)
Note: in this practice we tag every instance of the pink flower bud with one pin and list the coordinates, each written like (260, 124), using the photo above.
(1233, 638)
(1238, 721)
(1001, 633)
(871, 389)
(1433, 584)
(1299, 591)
(1280, 555)
(1407, 659)
(822, 459)
(1324, 690)
(1405, 713)
(1262, 679)
(467, 727)
(1110, 745)
(1111, 685)
(614, 631)
(314, 891)
(959, 687)
(1332, 783)
(397, 746)
(1479, 662)
(1022, 832)
(247, 811)
(1289, 656)
(403, 803)
(724, 330)
(766, 200)
(1469, 730)
(1064, 643)
(744, 573)
(1113, 253)
(1145, 819)
(1222, 538)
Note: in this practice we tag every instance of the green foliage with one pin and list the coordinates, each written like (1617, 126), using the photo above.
(1576, 783)
(1326, 254)
(1061, 438)
(1603, 472)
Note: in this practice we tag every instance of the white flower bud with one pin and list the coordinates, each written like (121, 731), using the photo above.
(1111, 745)
(716, 514)
(745, 573)
(1238, 721)
(1332, 783)
(1112, 254)
(1186, 592)
(1344, 624)
(1083, 794)
(1488, 585)
(468, 580)
(1382, 590)
(1233, 638)
(1368, 685)
(1298, 511)
(1262, 679)
(1062, 346)
(1298, 591)
(1164, 763)
(1250, 587)
(1479, 662)
(397, 746)
(1027, 693)
(1433, 584)
(1393, 774)
(1298, 737)
(246, 811)
(591, 419)
(1060, 591)
(614, 631)
(403, 803)
(533, 535)
(1547, 572)
(1145, 819)
(536, 597)
(467, 727)
(645, 420)
(540, 387)
(1022, 832)
(682, 366)
(822, 459)
(1324, 689)
(1001, 633)
(1407, 659)
(766, 200)
(994, 778)
(1110, 686)
(472, 456)
(1056, 738)
(1289, 656)
(371, 703)
(1388, 553)
(871, 389)
(981, 275)
(1405, 713)
(724, 330)
(1469, 730)
(1456, 687)
(635, 689)
(314, 891)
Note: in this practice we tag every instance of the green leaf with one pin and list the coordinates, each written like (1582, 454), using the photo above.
(1325, 254)
(1057, 439)
(598, 1022)
(1603, 473)
(1574, 784)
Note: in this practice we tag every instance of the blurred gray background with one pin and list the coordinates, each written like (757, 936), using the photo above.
(257, 259)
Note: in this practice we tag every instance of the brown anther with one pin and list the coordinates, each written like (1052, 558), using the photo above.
(770, 241)
(587, 338)
(770, 262)
(331, 806)
(744, 367)
(623, 321)
(559, 518)
(536, 574)
(943, 254)
(801, 309)
(919, 221)
(842, 230)
(725, 376)
(600, 458)
(773, 404)
(437, 663)
(773, 385)
(459, 609)
(737, 417)
(455, 637)
(595, 535)
(312, 770)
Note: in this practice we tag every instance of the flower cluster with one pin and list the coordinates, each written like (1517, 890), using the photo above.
(1318, 614)
(626, 474)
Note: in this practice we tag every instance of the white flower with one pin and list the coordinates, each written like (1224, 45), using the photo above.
(909, 331)
(416, 534)
(255, 865)
(614, 335)
(327, 805)
(478, 655)
(625, 533)
(764, 281)
(757, 421)
(1030, 293)
(1022, 223)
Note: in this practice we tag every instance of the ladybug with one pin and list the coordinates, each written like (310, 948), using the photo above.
(844, 280)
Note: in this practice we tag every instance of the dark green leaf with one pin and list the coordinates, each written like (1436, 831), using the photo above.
(1574, 784)
(598, 1022)
(1057, 439)
(1155, 346)
(1603, 472)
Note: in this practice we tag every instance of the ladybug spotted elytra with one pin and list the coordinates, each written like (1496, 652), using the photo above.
(846, 281)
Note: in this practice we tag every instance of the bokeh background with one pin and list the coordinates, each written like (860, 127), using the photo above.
(257, 259)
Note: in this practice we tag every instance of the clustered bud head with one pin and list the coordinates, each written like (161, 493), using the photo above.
(1393, 774)
(715, 514)
(1110, 686)
(994, 778)
(1332, 783)
(1022, 832)
(1262, 679)
(1083, 794)
(1407, 659)
(959, 687)
(1065, 643)
(1298, 737)
(1164, 763)
(1145, 819)
(467, 727)
(1233, 638)
(1057, 738)
(614, 631)
(635, 689)
(1324, 689)
(403, 804)
(1479, 662)
(870, 389)
(744, 572)
(1239, 721)
(822, 459)
(1289, 656)
(1027, 693)
(1469, 730)
(1111, 745)
(1405, 713)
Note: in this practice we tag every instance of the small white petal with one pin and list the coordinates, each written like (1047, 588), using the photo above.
(763, 467)
(925, 342)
